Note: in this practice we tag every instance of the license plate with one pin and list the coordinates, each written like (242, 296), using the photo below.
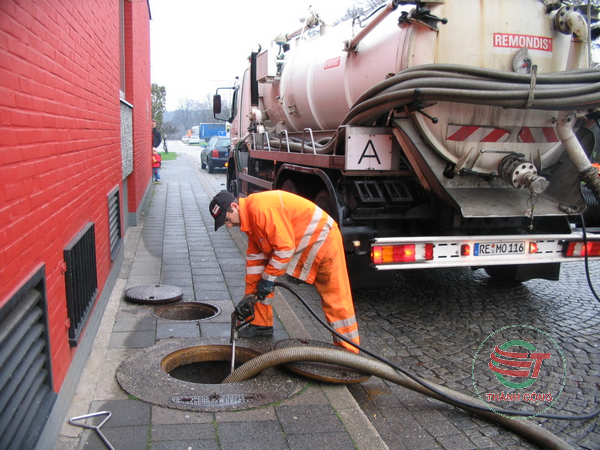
(497, 248)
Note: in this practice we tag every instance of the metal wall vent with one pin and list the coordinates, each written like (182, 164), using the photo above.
(114, 222)
(26, 395)
(81, 280)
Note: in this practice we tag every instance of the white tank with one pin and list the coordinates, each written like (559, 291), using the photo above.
(320, 80)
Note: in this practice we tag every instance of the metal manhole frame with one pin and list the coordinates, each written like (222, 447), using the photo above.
(142, 376)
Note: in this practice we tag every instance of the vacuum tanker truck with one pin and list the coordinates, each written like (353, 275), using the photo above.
(442, 133)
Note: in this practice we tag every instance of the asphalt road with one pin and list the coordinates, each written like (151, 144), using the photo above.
(436, 324)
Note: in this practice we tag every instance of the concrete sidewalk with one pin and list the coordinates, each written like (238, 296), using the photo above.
(175, 244)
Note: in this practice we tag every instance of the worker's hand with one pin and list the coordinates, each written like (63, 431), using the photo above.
(264, 288)
(245, 308)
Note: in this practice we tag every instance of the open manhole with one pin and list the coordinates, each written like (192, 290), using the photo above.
(320, 371)
(186, 311)
(154, 294)
(208, 364)
(187, 374)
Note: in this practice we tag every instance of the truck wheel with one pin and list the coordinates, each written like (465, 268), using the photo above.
(289, 186)
(232, 187)
(323, 201)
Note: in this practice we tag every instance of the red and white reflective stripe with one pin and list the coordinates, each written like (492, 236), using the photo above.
(537, 135)
(474, 133)
(527, 135)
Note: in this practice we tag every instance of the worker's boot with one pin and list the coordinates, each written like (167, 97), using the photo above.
(253, 331)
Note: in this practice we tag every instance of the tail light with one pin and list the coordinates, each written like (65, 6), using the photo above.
(577, 248)
(391, 254)
(387, 254)
(215, 153)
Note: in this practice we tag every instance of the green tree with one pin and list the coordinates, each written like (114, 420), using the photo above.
(159, 103)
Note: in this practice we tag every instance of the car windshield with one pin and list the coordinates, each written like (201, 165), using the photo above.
(223, 143)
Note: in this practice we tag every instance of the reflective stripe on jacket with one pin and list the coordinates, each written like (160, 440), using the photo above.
(286, 234)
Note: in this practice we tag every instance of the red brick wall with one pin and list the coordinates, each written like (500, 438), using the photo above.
(137, 53)
(60, 139)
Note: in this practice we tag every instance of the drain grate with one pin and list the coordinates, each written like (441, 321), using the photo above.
(216, 399)
(154, 294)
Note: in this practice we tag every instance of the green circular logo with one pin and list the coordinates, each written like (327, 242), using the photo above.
(517, 364)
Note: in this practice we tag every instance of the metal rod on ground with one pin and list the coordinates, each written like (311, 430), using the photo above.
(233, 338)
(94, 427)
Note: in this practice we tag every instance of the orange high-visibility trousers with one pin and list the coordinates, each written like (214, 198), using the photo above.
(333, 286)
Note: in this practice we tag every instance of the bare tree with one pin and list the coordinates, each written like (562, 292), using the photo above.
(167, 129)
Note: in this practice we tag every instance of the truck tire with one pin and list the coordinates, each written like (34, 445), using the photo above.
(232, 187)
(323, 201)
(289, 186)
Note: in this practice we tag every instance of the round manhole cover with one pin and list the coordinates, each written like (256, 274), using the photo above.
(154, 294)
(148, 376)
(186, 311)
(325, 372)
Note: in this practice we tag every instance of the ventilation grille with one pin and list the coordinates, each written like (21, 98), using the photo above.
(81, 280)
(26, 395)
(114, 222)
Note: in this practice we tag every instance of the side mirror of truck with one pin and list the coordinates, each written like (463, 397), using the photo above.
(216, 104)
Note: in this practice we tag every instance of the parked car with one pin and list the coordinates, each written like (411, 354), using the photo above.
(185, 139)
(215, 154)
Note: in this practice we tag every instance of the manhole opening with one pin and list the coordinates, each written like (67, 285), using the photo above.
(187, 311)
(205, 364)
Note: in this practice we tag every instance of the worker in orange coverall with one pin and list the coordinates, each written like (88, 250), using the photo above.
(289, 234)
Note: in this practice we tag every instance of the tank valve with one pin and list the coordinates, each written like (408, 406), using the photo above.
(522, 174)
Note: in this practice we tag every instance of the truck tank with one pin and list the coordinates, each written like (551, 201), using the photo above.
(483, 82)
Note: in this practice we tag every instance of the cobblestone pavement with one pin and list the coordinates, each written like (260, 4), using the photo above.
(433, 322)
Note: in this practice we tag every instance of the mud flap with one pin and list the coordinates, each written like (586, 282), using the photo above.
(524, 272)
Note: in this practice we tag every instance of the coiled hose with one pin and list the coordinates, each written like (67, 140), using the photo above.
(561, 91)
(385, 368)
(256, 365)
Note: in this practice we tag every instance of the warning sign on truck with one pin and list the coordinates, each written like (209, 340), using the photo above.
(505, 40)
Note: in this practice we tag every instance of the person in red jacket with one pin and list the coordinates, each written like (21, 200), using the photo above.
(156, 163)
(289, 234)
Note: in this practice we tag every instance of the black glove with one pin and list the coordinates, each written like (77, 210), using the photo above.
(245, 308)
(264, 288)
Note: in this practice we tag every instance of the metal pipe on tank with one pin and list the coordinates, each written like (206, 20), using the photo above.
(389, 8)
(587, 172)
(569, 21)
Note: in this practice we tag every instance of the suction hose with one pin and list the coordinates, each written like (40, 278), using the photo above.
(385, 368)
(255, 366)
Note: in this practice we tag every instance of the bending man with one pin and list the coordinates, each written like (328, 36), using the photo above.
(289, 234)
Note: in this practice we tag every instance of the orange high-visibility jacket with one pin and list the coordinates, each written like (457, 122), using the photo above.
(286, 234)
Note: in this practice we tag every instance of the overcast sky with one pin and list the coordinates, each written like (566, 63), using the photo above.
(199, 45)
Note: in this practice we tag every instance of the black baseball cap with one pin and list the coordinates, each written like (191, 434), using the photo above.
(219, 206)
